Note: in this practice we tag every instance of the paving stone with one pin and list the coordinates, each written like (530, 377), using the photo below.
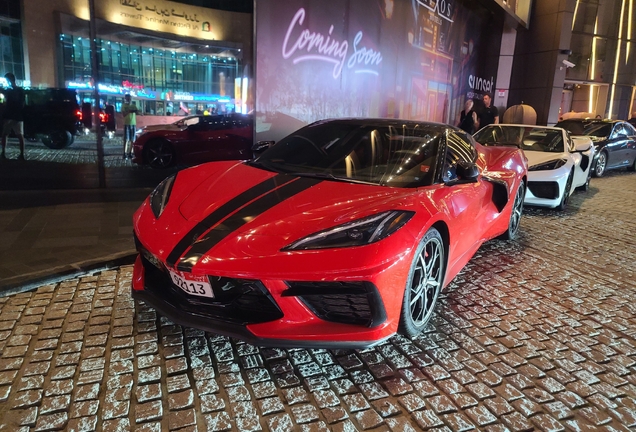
(546, 422)
(277, 423)
(181, 419)
(55, 403)
(427, 419)
(517, 422)
(27, 399)
(594, 415)
(148, 411)
(51, 422)
(118, 424)
(83, 424)
(114, 409)
(84, 409)
(385, 407)
(368, 419)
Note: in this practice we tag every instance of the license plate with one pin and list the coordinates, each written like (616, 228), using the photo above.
(197, 285)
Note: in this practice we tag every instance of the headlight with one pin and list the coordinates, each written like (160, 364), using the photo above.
(139, 131)
(357, 233)
(552, 165)
(159, 197)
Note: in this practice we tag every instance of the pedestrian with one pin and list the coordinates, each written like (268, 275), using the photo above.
(129, 110)
(13, 117)
(490, 114)
(468, 118)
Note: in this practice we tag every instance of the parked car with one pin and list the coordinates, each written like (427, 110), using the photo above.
(51, 115)
(557, 163)
(339, 235)
(194, 140)
(615, 142)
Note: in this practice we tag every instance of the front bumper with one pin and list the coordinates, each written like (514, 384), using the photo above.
(271, 313)
(546, 188)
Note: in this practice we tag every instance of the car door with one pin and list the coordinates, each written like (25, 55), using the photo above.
(235, 139)
(205, 139)
(467, 203)
(617, 146)
(630, 148)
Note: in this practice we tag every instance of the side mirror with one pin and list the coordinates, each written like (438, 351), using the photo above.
(467, 172)
(261, 146)
(582, 144)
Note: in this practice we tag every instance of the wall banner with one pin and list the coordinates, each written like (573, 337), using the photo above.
(411, 59)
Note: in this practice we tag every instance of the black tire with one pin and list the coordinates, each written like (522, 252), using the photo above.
(423, 289)
(58, 139)
(601, 165)
(515, 214)
(159, 154)
(566, 193)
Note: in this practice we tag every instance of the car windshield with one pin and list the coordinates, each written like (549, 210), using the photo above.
(187, 121)
(403, 156)
(527, 138)
(595, 129)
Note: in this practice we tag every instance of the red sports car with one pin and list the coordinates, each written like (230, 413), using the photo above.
(194, 140)
(339, 235)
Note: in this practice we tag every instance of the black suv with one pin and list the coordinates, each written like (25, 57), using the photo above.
(51, 115)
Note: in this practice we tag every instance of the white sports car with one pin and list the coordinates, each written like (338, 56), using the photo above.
(557, 163)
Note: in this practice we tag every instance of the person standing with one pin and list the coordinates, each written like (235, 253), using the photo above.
(490, 114)
(129, 110)
(13, 117)
(468, 118)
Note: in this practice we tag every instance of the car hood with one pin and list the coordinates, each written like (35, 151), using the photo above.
(537, 158)
(236, 203)
(293, 197)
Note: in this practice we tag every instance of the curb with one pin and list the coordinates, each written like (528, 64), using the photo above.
(32, 281)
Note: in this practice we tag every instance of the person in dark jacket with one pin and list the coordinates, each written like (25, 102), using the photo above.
(13, 117)
(468, 118)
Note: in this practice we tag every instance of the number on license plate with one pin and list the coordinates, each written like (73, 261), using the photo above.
(193, 287)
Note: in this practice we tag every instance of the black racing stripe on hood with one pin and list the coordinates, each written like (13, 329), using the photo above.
(240, 218)
(222, 212)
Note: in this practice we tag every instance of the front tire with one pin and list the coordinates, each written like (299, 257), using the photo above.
(425, 282)
(58, 139)
(515, 214)
(159, 154)
(601, 164)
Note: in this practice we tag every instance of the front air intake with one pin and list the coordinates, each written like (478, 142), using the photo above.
(356, 303)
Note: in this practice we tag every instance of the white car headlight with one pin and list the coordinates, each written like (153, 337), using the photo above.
(547, 166)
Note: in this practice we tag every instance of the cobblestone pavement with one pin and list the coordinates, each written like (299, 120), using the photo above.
(533, 335)
(82, 151)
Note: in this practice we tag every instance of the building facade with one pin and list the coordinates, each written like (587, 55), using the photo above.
(577, 59)
(171, 56)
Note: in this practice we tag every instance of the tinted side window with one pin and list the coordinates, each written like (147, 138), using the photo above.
(629, 129)
(458, 149)
(619, 131)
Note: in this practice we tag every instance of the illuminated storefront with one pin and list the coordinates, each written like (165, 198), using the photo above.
(163, 80)
(173, 58)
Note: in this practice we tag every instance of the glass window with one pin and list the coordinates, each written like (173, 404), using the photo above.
(458, 149)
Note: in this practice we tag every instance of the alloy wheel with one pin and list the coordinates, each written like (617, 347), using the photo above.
(159, 154)
(601, 164)
(426, 282)
(517, 210)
